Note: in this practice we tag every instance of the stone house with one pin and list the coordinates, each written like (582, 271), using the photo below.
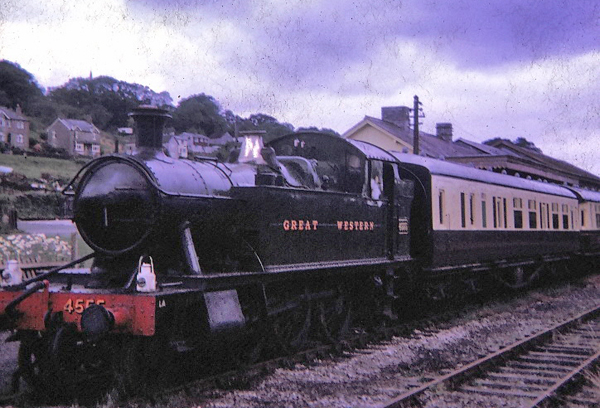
(196, 143)
(14, 128)
(77, 137)
(175, 146)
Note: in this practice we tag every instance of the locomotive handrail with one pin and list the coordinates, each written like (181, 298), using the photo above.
(10, 308)
(53, 271)
(70, 184)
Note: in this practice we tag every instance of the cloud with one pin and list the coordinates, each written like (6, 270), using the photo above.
(493, 68)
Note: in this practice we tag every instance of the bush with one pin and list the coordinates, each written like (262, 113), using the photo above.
(36, 205)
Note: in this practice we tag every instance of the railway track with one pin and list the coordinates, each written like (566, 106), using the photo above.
(536, 371)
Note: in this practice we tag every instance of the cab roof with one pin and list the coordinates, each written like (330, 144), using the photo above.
(327, 142)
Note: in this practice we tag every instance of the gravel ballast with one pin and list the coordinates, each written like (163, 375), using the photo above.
(369, 376)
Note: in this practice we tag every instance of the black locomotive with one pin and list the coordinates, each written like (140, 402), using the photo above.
(280, 243)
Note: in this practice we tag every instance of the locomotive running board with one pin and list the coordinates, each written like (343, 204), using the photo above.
(335, 264)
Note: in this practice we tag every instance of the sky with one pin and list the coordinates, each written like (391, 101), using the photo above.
(492, 68)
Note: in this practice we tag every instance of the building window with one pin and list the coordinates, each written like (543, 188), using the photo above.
(582, 218)
(597, 220)
(20, 125)
(565, 218)
(19, 138)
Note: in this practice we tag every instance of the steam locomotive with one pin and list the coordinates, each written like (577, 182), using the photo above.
(277, 245)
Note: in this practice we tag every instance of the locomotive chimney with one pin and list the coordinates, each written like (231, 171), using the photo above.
(149, 123)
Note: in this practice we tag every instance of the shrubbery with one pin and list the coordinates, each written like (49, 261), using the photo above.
(36, 205)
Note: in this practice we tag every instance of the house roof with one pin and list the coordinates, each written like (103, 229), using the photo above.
(79, 125)
(11, 114)
(177, 139)
(430, 145)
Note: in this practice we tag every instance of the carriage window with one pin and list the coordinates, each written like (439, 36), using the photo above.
(472, 209)
(544, 216)
(555, 218)
(597, 220)
(518, 219)
(531, 204)
(518, 212)
(463, 218)
(582, 218)
(495, 209)
(483, 212)
(555, 224)
(517, 202)
(504, 213)
(441, 205)
(565, 221)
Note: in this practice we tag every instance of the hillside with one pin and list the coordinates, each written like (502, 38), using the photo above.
(34, 167)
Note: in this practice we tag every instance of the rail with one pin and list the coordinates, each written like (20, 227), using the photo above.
(543, 363)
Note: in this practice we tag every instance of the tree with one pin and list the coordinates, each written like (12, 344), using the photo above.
(199, 113)
(315, 129)
(107, 100)
(522, 142)
(272, 127)
(17, 86)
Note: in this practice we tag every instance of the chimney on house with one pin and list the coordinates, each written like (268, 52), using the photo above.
(444, 131)
(19, 110)
(397, 115)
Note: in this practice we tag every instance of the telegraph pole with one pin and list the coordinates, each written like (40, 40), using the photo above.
(417, 113)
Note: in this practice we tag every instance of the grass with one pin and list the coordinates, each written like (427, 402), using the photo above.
(34, 167)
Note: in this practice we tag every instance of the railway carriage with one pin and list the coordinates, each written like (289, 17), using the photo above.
(469, 219)
(589, 219)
